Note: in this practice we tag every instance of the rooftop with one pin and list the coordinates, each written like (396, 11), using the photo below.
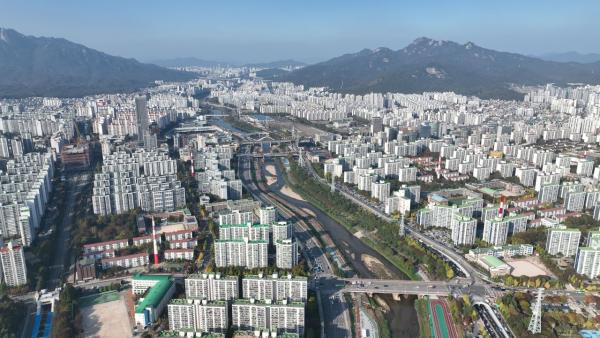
(244, 225)
(155, 294)
(492, 261)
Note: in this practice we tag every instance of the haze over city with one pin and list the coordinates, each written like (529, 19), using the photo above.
(310, 31)
(314, 169)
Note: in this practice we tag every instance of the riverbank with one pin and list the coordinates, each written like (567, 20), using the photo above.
(400, 316)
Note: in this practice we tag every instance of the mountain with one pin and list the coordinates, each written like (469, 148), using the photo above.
(571, 57)
(191, 62)
(430, 65)
(41, 66)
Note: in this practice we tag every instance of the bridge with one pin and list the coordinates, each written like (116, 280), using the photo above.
(263, 155)
(403, 287)
(264, 140)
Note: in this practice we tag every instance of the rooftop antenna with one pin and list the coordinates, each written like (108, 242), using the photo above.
(501, 208)
(154, 242)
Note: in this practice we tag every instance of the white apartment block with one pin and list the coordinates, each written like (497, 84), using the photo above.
(235, 217)
(282, 230)
(275, 287)
(211, 287)
(574, 201)
(463, 230)
(495, 231)
(548, 193)
(278, 317)
(243, 253)
(380, 190)
(286, 253)
(199, 315)
(563, 241)
(12, 262)
(147, 180)
(526, 176)
(397, 203)
(407, 174)
(254, 232)
(267, 215)
(25, 188)
(587, 262)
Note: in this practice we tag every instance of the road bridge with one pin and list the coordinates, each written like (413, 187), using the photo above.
(400, 287)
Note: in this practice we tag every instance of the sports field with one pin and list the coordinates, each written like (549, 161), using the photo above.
(105, 316)
(103, 297)
(440, 320)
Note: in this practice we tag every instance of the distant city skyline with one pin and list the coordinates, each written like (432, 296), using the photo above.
(311, 31)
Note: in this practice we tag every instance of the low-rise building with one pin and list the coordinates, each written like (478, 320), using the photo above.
(174, 254)
(127, 261)
(494, 266)
(156, 291)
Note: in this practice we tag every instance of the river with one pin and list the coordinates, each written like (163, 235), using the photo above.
(402, 317)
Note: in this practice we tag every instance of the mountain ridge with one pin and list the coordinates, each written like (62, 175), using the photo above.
(47, 66)
(439, 65)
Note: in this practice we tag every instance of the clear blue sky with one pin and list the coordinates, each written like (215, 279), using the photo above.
(307, 30)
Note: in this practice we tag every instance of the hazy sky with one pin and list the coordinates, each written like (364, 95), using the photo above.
(307, 30)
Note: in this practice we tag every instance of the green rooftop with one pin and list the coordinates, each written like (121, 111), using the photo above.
(154, 294)
(492, 261)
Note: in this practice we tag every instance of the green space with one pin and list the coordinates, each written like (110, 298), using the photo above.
(90, 228)
(564, 275)
(67, 318)
(100, 298)
(313, 319)
(425, 324)
(405, 253)
(463, 313)
(516, 309)
(11, 317)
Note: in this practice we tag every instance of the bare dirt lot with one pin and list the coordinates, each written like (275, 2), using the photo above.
(106, 320)
(529, 266)
(375, 266)
(271, 174)
(291, 193)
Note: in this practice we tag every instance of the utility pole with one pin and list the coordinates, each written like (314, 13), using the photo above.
(300, 158)
(535, 324)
